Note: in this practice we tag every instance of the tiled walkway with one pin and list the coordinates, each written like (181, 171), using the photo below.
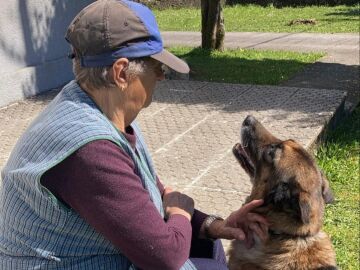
(191, 127)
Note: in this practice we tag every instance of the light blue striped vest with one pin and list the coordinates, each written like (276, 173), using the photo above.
(36, 230)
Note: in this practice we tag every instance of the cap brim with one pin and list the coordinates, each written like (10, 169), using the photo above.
(171, 61)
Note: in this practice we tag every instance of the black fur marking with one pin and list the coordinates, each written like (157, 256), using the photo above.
(285, 198)
(305, 211)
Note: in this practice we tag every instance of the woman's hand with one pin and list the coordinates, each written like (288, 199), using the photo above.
(177, 203)
(241, 225)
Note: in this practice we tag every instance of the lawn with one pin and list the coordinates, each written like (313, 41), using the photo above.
(244, 66)
(253, 18)
(339, 158)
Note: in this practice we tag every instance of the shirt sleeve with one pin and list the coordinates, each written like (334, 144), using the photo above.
(198, 217)
(99, 183)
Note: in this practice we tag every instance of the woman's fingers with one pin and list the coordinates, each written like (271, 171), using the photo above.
(251, 206)
(167, 190)
(265, 229)
(239, 216)
(233, 233)
(256, 228)
(253, 217)
(249, 241)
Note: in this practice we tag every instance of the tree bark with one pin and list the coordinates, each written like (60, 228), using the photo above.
(212, 25)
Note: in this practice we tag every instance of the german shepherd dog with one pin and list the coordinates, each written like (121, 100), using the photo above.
(295, 192)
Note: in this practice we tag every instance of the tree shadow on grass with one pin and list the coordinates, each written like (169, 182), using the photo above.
(351, 11)
(244, 66)
(343, 15)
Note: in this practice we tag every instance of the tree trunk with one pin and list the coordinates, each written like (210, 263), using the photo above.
(212, 25)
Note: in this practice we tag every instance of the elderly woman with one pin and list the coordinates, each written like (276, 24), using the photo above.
(80, 191)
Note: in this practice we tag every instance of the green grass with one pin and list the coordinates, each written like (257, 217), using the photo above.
(244, 66)
(339, 158)
(252, 18)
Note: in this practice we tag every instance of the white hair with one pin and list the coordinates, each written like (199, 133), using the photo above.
(99, 77)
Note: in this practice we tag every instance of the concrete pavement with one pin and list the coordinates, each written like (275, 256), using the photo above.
(303, 42)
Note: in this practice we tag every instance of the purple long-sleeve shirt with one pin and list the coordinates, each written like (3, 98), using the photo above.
(99, 182)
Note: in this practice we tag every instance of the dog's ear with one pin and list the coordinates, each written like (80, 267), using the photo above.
(326, 190)
(285, 197)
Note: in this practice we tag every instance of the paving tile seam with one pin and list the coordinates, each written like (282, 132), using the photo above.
(158, 111)
(210, 189)
(178, 137)
(181, 135)
(9, 106)
(177, 99)
(207, 169)
(197, 88)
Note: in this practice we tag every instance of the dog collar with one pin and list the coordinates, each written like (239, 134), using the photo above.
(275, 233)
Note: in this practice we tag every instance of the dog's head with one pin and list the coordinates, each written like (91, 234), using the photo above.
(286, 177)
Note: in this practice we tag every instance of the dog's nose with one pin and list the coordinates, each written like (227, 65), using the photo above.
(249, 120)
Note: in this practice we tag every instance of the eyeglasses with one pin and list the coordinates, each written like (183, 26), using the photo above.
(159, 68)
(152, 64)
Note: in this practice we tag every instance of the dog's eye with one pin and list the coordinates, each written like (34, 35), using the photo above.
(270, 152)
(272, 146)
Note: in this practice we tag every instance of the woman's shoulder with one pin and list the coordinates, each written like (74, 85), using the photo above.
(96, 150)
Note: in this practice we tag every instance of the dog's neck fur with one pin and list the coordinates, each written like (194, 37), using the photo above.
(283, 235)
(294, 228)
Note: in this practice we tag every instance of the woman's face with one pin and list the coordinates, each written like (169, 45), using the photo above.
(141, 88)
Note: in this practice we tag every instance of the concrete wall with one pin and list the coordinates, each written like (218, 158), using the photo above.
(32, 46)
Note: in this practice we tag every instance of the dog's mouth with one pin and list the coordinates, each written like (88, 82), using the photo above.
(244, 159)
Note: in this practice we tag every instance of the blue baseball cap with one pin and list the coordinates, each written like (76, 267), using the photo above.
(107, 30)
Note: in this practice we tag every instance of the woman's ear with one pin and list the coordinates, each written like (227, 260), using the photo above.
(119, 74)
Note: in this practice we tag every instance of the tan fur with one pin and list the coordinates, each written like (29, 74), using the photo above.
(296, 242)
